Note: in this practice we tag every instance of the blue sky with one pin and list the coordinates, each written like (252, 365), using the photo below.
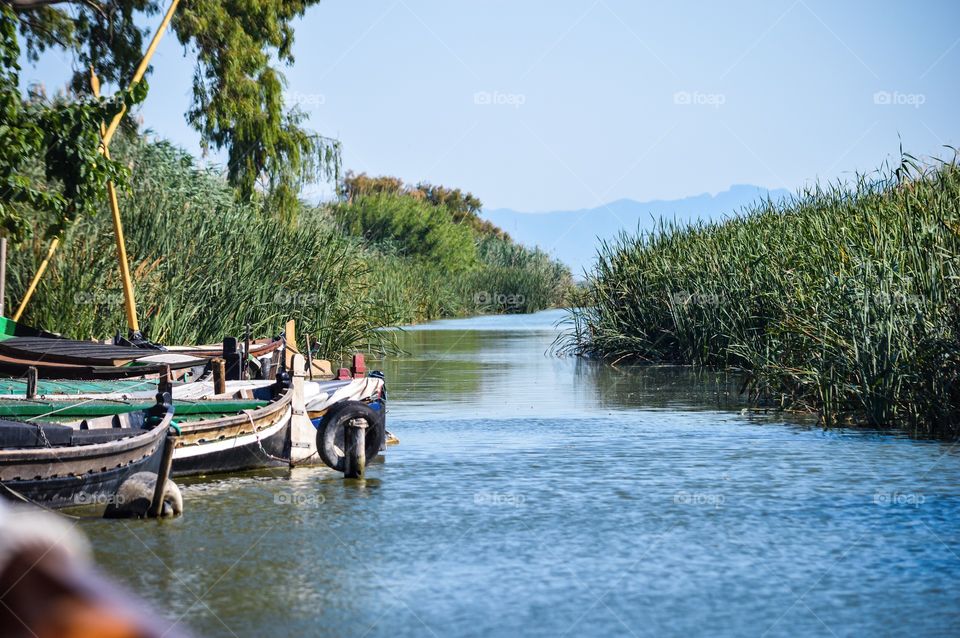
(543, 105)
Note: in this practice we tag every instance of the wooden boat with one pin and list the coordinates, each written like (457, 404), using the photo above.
(81, 462)
(248, 438)
(212, 435)
(247, 427)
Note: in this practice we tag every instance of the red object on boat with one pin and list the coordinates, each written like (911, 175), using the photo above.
(343, 374)
(359, 367)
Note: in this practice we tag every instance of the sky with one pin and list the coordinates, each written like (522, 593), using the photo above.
(557, 105)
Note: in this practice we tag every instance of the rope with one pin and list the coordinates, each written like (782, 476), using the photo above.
(256, 435)
(263, 451)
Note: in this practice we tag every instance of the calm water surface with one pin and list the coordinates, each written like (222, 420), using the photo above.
(539, 496)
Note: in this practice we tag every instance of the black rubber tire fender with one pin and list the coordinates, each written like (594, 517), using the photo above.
(330, 431)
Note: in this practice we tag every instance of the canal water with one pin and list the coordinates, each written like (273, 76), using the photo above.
(543, 496)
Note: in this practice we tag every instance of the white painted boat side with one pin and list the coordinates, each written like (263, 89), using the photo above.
(227, 444)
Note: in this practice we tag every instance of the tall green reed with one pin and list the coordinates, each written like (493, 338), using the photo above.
(842, 300)
(205, 266)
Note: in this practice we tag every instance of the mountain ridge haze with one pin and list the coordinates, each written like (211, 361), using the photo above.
(562, 233)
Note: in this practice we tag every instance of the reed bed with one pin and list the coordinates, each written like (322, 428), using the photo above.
(507, 279)
(206, 266)
(843, 300)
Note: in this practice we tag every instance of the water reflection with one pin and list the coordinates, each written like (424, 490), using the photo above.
(503, 366)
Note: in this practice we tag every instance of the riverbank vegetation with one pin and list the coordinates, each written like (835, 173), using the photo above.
(215, 251)
(206, 263)
(844, 300)
(439, 258)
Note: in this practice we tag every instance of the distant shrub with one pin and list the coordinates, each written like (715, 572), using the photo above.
(463, 207)
(416, 228)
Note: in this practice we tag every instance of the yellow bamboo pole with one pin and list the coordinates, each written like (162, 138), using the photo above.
(36, 278)
(129, 300)
(142, 68)
(107, 136)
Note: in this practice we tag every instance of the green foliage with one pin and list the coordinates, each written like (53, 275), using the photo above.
(238, 92)
(843, 301)
(49, 158)
(514, 278)
(462, 207)
(419, 291)
(359, 185)
(204, 265)
(458, 267)
(416, 228)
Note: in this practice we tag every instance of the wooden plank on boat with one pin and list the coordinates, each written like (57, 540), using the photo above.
(70, 351)
(17, 366)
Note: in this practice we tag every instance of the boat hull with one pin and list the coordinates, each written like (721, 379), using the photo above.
(86, 471)
(98, 488)
(261, 449)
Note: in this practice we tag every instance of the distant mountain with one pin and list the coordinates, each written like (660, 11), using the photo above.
(573, 236)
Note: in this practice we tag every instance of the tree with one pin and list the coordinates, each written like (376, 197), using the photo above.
(49, 158)
(464, 208)
(237, 90)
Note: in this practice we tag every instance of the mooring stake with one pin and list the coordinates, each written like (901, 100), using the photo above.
(166, 462)
(219, 375)
(309, 358)
(31, 382)
(165, 383)
(231, 355)
(246, 352)
(355, 445)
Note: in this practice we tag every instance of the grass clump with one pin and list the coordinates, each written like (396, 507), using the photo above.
(843, 300)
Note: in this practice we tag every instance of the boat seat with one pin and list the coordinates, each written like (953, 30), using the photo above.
(14, 434)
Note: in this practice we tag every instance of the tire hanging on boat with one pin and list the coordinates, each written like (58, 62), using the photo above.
(330, 431)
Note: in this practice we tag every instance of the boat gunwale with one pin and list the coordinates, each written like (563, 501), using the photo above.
(258, 347)
(283, 399)
(144, 438)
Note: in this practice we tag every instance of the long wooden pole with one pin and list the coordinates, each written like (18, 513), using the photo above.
(105, 144)
(142, 68)
(36, 278)
(129, 301)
